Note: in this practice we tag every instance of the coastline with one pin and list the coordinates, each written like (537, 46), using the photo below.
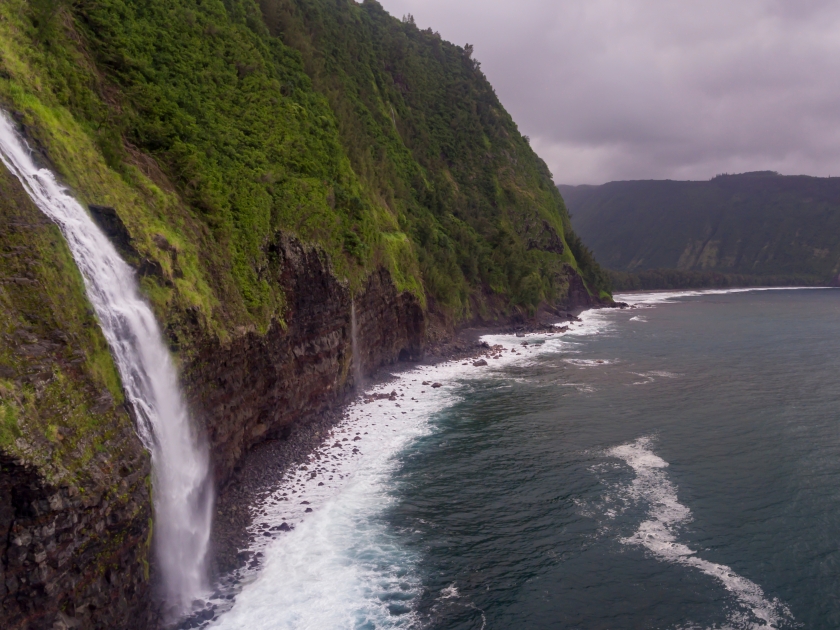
(266, 466)
(266, 480)
(270, 464)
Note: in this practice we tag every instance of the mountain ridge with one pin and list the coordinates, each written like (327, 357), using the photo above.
(755, 226)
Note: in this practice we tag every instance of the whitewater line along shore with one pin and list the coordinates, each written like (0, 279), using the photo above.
(281, 481)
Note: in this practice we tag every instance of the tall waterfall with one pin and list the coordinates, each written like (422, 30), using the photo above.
(183, 495)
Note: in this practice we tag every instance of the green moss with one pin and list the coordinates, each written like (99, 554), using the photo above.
(61, 390)
(9, 430)
(401, 260)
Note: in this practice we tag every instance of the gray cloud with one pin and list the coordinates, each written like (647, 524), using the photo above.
(655, 89)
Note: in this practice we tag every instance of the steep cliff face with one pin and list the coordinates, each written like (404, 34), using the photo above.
(256, 385)
(391, 325)
(75, 502)
(263, 187)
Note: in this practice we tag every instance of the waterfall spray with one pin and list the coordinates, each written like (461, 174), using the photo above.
(358, 377)
(183, 495)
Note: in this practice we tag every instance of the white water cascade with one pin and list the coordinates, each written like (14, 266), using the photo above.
(183, 495)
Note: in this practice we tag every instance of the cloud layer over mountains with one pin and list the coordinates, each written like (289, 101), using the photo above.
(656, 89)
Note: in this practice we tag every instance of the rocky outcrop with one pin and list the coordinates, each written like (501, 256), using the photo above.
(391, 326)
(578, 297)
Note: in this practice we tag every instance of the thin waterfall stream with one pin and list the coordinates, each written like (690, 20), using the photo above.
(182, 489)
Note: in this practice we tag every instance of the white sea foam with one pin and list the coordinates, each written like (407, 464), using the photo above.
(651, 376)
(590, 362)
(340, 567)
(450, 592)
(659, 535)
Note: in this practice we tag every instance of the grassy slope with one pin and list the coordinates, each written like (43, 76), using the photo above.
(749, 225)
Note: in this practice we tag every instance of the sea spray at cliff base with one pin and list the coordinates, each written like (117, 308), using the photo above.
(183, 496)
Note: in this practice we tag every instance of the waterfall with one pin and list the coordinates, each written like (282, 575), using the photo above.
(182, 490)
(358, 377)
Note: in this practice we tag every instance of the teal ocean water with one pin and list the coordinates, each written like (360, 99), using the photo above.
(674, 465)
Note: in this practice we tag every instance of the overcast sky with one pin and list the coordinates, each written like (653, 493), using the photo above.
(658, 89)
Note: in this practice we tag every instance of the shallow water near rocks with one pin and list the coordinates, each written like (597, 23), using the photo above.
(674, 465)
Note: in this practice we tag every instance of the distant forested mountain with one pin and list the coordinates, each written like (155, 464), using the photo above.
(753, 228)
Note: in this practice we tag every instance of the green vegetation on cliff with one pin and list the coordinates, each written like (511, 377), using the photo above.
(750, 229)
(212, 126)
(427, 135)
(60, 394)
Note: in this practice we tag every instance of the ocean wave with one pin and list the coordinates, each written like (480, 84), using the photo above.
(658, 534)
(651, 376)
(335, 564)
(324, 557)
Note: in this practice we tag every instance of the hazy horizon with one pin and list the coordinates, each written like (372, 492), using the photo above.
(645, 89)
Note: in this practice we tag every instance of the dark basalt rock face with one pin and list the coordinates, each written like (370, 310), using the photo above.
(112, 225)
(548, 240)
(256, 387)
(578, 296)
(391, 326)
(70, 559)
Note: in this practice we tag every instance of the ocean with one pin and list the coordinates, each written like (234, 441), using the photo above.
(673, 465)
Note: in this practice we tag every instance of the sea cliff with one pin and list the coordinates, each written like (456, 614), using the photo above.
(266, 168)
